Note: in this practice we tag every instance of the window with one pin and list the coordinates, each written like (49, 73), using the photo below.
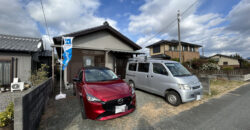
(143, 67)
(184, 48)
(156, 49)
(5, 69)
(159, 69)
(225, 63)
(132, 66)
(192, 49)
(172, 48)
(177, 69)
(99, 75)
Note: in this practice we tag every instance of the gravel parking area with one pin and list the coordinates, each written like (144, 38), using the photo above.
(65, 114)
(151, 109)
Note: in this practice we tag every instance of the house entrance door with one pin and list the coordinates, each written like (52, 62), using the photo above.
(5, 71)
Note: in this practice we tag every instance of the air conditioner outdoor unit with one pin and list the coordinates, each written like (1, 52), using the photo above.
(17, 85)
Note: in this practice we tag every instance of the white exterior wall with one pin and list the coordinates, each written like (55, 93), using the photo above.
(230, 61)
(101, 40)
(24, 64)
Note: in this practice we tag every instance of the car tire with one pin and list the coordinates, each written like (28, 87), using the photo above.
(82, 107)
(173, 98)
(131, 84)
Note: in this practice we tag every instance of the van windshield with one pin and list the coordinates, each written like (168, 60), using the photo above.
(177, 69)
(98, 75)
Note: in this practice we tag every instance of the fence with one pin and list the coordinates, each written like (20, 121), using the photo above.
(223, 72)
(30, 107)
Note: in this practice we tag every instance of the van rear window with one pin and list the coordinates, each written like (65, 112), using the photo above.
(143, 67)
(132, 66)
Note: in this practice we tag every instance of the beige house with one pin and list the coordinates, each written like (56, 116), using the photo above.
(170, 49)
(98, 46)
(224, 60)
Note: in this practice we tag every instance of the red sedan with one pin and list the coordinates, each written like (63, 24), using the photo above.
(102, 94)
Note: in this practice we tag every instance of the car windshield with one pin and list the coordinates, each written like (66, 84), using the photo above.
(177, 69)
(97, 75)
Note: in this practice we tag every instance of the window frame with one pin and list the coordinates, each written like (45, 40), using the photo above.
(162, 66)
(158, 47)
(138, 69)
(135, 66)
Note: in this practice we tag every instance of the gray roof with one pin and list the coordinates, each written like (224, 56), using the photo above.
(20, 44)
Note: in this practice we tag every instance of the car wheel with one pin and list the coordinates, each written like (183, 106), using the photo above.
(131, 84)
(173, 98)
(83, 113)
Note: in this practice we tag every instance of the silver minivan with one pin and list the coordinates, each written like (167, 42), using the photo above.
(168, 79)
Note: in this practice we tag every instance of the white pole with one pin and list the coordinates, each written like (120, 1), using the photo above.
(61, 95)
(179, 34)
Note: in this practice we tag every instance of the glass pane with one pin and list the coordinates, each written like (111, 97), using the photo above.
(6, 76)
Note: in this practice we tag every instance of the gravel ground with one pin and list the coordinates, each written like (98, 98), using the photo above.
(65, 114)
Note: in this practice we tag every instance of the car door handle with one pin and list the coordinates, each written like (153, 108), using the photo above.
(152, 76)
(147, 76)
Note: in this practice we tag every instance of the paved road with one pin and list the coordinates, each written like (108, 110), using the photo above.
(230, 112)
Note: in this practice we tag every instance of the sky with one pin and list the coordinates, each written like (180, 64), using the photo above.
(220, 26)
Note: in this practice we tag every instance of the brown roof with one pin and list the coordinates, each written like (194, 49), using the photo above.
(106, 27)
(172, 42)
(224, 56)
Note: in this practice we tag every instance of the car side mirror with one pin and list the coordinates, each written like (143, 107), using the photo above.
(76, 79)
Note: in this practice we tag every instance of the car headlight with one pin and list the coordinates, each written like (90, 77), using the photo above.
(92, 98)
(184, 87)
(133, 90)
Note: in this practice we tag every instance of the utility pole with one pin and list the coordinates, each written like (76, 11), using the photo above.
(179, 34)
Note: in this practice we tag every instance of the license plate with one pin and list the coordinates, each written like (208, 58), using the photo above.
(198, 97)
(119, 109)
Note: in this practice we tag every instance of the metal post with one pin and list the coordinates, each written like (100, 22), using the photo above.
(179, 34)
(53, 68)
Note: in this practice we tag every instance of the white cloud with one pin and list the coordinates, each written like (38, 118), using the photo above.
(65, 16)
(15, 20)
(205, 29)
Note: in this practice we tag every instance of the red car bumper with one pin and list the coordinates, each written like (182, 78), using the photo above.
(106, 110)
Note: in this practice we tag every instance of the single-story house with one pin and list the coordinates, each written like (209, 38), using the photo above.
(19, 57)
(169, 50)
(98, 46)
(224, 60)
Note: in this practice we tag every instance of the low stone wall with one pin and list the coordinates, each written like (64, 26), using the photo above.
(228, 77)
(205, 81)
(30, 106)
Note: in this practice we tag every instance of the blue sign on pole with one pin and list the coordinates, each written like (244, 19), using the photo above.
(67, 47)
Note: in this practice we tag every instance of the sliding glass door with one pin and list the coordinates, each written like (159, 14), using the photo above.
(5, 71)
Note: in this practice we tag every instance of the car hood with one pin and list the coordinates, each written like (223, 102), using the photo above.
(108, 90)
(189, 80)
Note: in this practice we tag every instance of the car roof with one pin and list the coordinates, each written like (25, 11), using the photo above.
(155, 61)
(94, 67)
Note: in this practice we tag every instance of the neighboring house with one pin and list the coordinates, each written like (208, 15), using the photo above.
(98, 46)
(248, 59)
(224, 60)
(18, 57)
(170, 50)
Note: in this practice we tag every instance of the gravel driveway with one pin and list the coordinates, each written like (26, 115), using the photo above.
(151, 109)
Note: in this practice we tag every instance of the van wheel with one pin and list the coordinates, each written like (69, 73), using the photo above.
(173, 98)
(82, 107)
(131, 84)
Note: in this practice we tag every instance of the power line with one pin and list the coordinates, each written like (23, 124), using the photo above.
(45, 20)
(172, 22)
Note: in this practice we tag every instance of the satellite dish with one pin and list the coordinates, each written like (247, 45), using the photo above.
(39, 45)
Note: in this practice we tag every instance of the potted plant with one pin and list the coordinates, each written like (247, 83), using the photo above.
(6, 118)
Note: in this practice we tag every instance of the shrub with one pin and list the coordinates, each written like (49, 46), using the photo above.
(209, 66)
(175, 59)
(228, 68)
(7, 116)
(40, 75)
